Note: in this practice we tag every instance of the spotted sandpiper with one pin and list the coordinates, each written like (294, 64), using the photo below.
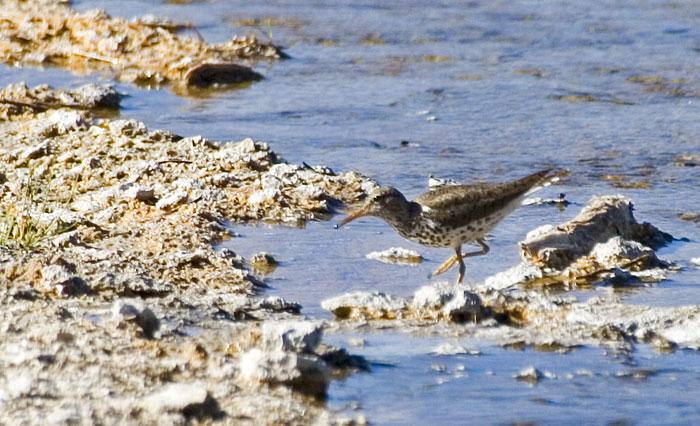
(450, 216)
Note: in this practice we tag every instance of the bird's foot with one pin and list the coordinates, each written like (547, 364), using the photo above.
(445, 266)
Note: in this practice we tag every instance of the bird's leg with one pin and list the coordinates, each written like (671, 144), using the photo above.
(462, 266)
(459, 256)
(445, 266)
(484, 249)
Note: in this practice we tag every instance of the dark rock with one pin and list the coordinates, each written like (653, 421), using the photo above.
(208, 74)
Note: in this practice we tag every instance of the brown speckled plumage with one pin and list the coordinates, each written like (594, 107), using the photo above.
(450, 216)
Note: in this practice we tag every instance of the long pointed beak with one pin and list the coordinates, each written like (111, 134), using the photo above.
(352, 216)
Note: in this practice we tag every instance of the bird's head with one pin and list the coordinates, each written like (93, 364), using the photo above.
(385, 202)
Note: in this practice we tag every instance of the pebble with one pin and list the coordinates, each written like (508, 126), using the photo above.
(397, 255)
(530, 375)
(356, 342)
(263, 263)
(453, 349)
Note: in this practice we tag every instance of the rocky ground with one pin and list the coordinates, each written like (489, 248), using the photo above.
(148, 50)
(119, 306)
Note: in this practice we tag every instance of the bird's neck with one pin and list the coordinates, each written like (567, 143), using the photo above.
(405, 217)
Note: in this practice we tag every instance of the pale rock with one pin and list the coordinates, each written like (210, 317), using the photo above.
(135, 191)
(194, 141)
(529, 375)
(172, 199)
(305, 373)
(65, 239)
(263, 196)
(324, 170)
(19, 353)
(187, 183)
(454, 301)
(310, 192)
(97, 131)
(602, 219)
(271, 185)
(616, 248)
(684, 333)
(189, 399)
(64, 415)
(521, 272)
(222, 179)
(35, 151)
(283, 170)
(67, 120)
(75, 172)
(97, 96)
(292, 335)
(246, 145)
(18, 383)
(105, 216)
(453, 349)
(127, 127)
(396, 255)
(374, 304)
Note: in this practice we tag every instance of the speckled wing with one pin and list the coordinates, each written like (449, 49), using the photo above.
(458, 206)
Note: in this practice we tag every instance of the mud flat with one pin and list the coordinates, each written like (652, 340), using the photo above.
(147, 50)
(118, 306)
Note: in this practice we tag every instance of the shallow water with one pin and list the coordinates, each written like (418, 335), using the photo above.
(582, 387)
(477, 90)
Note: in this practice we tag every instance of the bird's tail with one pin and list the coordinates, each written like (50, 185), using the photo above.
(542, 178)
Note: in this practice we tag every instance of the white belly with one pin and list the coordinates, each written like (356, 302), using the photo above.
(431, 234)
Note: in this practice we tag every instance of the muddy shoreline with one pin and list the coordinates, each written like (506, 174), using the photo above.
(145, 51)
(110, 232)
(113, 281)
(122, 304)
